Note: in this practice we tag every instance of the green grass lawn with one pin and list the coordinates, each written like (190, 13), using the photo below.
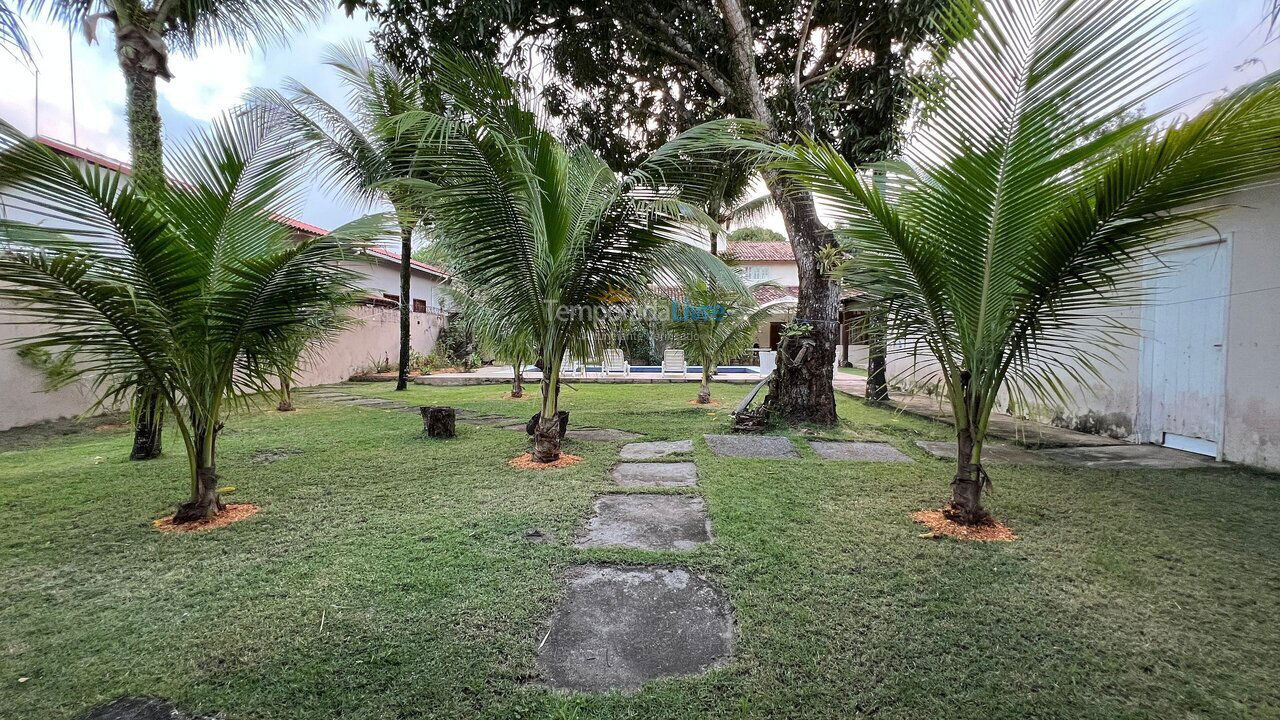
(387, 576)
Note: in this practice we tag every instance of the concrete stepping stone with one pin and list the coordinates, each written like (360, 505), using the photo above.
(655, 474)
(991, 452)
(601, 435)
(752, 446)
(620, 627)
(654, 450)
(867, 451)
(647, 522)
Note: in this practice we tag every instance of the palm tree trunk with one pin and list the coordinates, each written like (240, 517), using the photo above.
(704, 388)
(406, 303)
(205, 502)
(517, 380)
(286, 397)
(805, 392)
(146, 156)
(148, 426)
(965, 507)
(546, 433)
(877, 382)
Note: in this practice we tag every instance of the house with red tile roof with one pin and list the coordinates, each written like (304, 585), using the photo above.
(771, 267)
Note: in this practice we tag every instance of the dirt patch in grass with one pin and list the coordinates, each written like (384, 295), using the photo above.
(525, 462)
(712, 404)
(234, 513)
(273, 455)
(938, 524)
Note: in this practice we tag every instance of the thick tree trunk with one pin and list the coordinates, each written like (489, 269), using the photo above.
(148, 425)
(205, 502)
(805, 393)
(704, 388)
(877, 381)
(406, 304)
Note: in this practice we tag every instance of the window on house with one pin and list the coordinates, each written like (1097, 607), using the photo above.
(393, 298)
(419, 305)
(753, 273)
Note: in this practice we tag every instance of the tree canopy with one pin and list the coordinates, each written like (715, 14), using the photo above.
(850, 57)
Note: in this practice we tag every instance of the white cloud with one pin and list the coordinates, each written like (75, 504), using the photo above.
(210, 83)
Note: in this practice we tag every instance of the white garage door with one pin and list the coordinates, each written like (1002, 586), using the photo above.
(1184, 348)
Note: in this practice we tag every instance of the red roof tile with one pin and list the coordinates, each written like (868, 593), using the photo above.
(124, 169)
(760, 252)
(394, 256)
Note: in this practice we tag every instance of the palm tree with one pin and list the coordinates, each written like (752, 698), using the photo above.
(1021, 212)
(712, 324)
(355, 154)
(731, 200)
(191, 287)
(550, 237)
(145, 30)
(12, 36)
(498, 335)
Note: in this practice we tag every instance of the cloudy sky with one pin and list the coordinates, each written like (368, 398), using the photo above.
(1228, 33)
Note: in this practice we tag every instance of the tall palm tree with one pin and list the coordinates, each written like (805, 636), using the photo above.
(548, 236)
(712, 324)
(145, 32)
(355, 154)
(191, 288)
(1021, 212)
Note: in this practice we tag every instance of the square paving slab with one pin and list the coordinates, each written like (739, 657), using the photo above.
(601, 435)
(647, 522)
(752, 446)
(653, 450)
(619, 627)
(655, 474)
(874, 452)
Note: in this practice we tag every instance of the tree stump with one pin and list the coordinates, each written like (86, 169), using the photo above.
(437, 422)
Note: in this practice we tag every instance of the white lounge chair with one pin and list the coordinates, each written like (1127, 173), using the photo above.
(673, 362)
(569, 366)
(614, 362)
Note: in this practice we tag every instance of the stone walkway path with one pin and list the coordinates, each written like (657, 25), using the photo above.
(619, 627)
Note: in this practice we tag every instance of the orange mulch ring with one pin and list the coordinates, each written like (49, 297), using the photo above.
(525, 462)
(234, 513)
(938, 524)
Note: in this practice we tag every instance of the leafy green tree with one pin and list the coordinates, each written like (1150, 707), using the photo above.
(837, 71)
(1013, 223)
(549, 237)
(145, 31)
(756, 234)
(357, 156)
(713, 324)
(191, 288)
